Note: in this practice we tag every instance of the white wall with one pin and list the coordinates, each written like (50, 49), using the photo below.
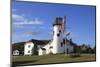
(46, 47)
(70, 48)
(40, 52)
(27, 48)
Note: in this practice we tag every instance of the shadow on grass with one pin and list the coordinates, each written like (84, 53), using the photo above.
(18, 63)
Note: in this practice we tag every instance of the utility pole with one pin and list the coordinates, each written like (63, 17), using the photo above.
(65, 46)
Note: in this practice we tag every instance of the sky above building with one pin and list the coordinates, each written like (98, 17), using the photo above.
(31, 20)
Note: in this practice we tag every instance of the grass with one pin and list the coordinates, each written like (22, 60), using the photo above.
(48, 59)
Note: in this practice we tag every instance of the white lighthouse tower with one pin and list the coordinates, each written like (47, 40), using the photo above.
(57, 45)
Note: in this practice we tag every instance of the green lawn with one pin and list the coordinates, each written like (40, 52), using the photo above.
(46, 59)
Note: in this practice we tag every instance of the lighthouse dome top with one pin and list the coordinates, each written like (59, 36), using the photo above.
(58, 21)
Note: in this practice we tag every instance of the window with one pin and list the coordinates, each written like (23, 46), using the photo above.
(51, 47)
(29, 46)
(61, 44)
(59, 31)
(64, 41)
(29, 51)
(58, 35)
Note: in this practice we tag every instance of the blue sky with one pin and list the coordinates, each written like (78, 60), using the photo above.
(34, 21)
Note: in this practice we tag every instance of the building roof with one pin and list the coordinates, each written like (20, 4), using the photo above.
(16, 51)
(43, 48)
(39, 42)
(71, 42)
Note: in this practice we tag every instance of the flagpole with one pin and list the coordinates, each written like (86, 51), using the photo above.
(65, 35)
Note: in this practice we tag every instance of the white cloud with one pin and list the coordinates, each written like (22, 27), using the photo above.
(19, 26)
(32, 33)
(21, 35)
(21, 20)
(16, 17)
(25, 34)
(29, 22)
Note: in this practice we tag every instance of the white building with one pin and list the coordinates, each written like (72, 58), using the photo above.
(69, 47)
(28, 48)
(16, 52)
(58, 44)
(35, 47)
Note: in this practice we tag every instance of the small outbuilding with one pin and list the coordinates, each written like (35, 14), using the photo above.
(16, 52)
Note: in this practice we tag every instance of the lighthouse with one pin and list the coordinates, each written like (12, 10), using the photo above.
(57, 43)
